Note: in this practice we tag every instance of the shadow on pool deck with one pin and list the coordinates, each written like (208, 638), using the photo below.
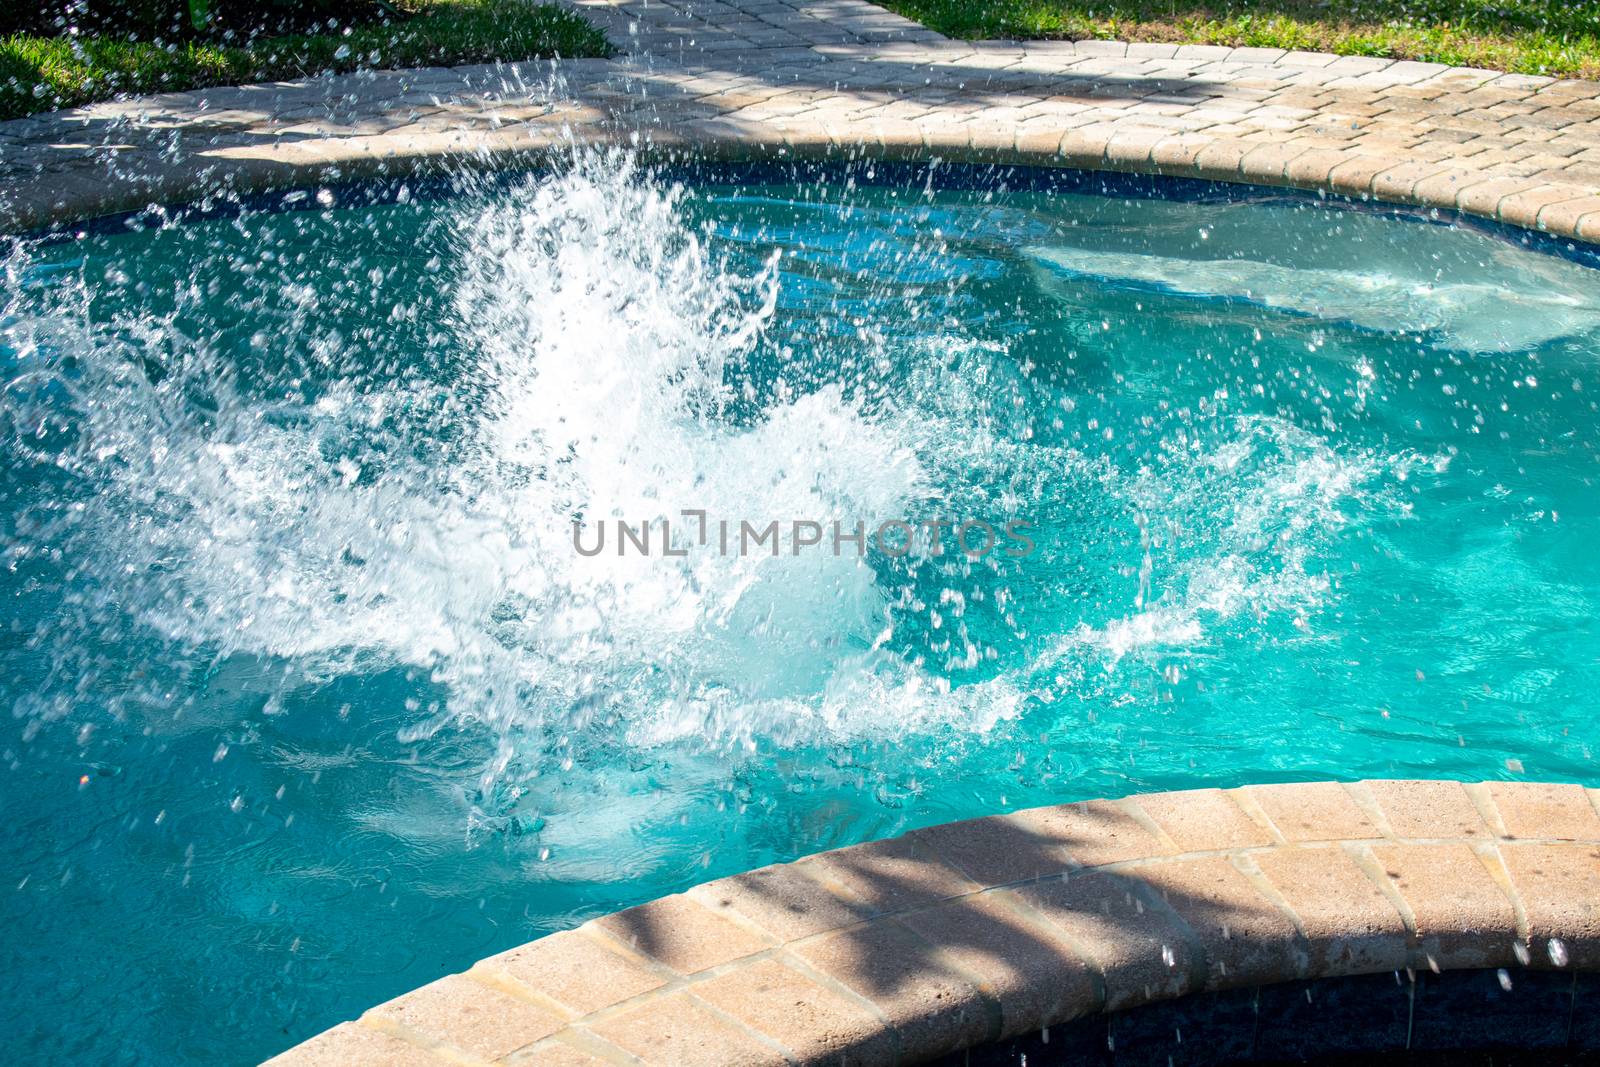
(965, 933)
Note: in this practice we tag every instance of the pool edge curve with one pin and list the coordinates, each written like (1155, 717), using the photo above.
(960, 934)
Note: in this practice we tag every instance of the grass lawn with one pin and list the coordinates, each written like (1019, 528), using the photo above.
(40, 73)
(1556, 37)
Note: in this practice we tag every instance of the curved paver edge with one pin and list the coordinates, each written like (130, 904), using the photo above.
(1556, 209)
(950, 936)
(843, 78)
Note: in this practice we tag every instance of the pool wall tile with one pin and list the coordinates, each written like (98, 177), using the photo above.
(1081, 1043)
(1325, 1017)
(1204, 1030)
(1585, 1032)
(1478, 1010)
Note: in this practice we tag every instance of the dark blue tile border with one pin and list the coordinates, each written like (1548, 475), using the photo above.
(1454, 1019)
(872, 173)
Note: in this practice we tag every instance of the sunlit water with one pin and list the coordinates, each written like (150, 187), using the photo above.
(312, 700)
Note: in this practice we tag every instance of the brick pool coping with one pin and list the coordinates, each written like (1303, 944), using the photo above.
(818, 78)
(898, 951)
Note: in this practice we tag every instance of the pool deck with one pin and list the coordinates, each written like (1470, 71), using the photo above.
(900, 951)
(814, 78)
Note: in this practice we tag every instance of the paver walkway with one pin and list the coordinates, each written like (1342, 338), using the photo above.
(806, 77)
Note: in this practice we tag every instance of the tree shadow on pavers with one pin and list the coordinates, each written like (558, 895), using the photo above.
(968, 932)
(717, 103)
(953, 87)
(193, 144)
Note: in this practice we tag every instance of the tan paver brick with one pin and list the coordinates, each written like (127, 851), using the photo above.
(1091, 833)
(1220, 161)
(1484, 198)
(576, 971)
(1558, 887)
(555, 1053)
(782, 900)
(1398, 182)
(1203, 820)
(1141, 954)
(1246, 938)
(903, 872)
(1427, 809)
(1354, 176)
(996, 850)
(681, 933)
(1352, 927)
(350, 1043)
(1030, 971)
(676, 1031)
(1463, 918)
(1316, 811)
(1314, 167)
(471, 1016)
(810, 1020)
(932, 1009)
(1545, 810)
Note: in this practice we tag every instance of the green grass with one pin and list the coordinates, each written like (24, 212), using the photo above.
(41, 73)
(1556, 37)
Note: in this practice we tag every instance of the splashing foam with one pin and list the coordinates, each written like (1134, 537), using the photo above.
(1238, 525)
(596, 336)
(598, 333)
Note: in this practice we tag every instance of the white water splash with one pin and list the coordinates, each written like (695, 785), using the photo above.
(597, 343)
(1235, 530)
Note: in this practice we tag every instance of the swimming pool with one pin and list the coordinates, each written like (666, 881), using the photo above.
(316, 695)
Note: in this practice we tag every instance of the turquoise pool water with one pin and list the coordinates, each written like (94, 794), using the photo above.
(313, 699)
